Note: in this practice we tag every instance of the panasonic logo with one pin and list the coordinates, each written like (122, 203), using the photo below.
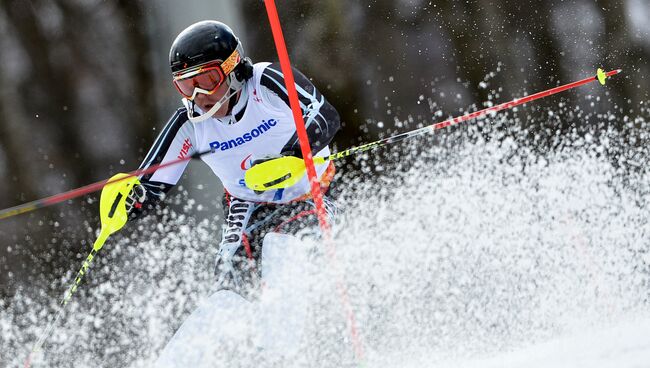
(247, 137)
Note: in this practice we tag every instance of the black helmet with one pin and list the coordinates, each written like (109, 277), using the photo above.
(207, 41)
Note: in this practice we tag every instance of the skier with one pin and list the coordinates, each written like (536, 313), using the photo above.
(241, 112)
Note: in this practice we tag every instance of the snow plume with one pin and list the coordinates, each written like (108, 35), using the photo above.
(138, 290)
(481, 252)
(492, 248)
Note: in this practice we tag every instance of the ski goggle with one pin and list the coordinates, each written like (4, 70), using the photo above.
(205, 78)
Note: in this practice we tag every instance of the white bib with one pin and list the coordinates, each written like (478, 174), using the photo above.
(264, 129)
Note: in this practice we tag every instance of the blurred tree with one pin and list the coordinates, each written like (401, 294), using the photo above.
(379, 58)
(74, 104)
(320, 45)
(139, 52)
(51, 83)
(617, 47)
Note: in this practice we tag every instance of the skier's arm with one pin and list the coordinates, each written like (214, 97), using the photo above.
(176, 140)
(322, 121)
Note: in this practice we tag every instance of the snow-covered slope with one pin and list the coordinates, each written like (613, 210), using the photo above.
(626, 344)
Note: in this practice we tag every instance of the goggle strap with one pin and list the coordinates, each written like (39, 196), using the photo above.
(230, 63)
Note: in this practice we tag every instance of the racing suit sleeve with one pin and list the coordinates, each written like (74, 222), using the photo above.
(176, 140)
(322, 121)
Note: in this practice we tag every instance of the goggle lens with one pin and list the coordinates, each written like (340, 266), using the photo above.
(207, 78)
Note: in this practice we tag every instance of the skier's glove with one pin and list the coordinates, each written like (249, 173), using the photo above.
(265, 158)
(135, 199)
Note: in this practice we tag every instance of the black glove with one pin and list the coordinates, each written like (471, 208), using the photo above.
(135, 199)
(266, 158)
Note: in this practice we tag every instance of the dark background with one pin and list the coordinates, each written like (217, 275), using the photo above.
(84, 88)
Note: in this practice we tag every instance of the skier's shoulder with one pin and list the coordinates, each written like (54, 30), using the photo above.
(178, 123)
(270, 73)
(178, 117)
(260, 68)
(264, 90)
(268, 76)
(270, 81)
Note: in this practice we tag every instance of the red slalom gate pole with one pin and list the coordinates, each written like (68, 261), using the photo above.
(305, 147)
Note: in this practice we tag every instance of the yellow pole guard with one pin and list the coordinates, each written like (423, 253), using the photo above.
(281, 172)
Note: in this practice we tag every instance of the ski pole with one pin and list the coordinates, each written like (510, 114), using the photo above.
(113, 216)
(74, 193)
(286, 171)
